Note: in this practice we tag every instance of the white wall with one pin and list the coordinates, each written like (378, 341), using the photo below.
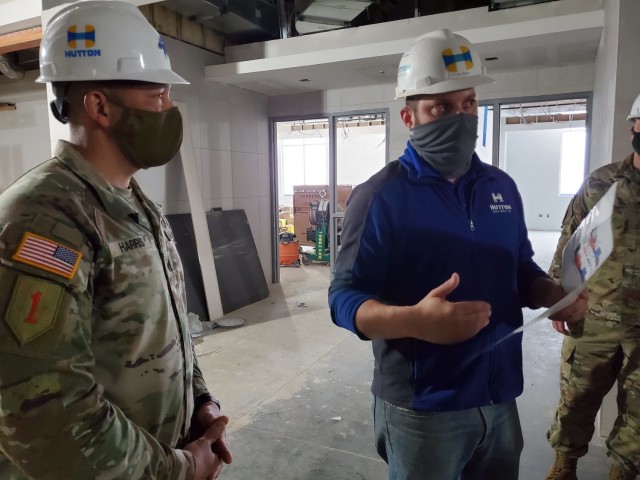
(604, 92)
(627, 86)
(541, 81)
(17, 15)
(617, 67)
(531, 155)
(24, 132)
(230, 134)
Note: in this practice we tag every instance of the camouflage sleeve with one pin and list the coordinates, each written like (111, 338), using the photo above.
(591, 191)
(55, 420)
(572, 218)
(199, 385)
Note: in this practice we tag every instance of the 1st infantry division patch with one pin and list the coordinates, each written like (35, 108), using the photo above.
(48, 255)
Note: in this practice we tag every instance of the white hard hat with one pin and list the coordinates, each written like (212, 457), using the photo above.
(98, 40)
(635, 110)
(439, 62)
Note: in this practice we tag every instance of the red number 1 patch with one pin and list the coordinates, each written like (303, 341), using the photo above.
(33, 307)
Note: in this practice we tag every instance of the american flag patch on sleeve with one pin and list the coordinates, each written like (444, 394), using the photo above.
(48, 255)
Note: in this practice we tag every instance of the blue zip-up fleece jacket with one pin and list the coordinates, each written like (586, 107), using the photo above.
(406, 230)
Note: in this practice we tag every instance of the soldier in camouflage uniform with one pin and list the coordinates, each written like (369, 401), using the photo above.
(605, 346)
(98, 376)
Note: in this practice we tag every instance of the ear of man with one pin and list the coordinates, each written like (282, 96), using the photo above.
(98, 108)
(88, 101)
(407, 114)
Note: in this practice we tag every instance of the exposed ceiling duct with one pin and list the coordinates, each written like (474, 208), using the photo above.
(322, 15)
(10, 69)
(241, 21)
(248, 21)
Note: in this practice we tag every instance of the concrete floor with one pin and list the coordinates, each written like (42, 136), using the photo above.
(296, 388)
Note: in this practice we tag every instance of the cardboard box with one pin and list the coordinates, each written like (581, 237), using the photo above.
(344, 192)
(304, 194)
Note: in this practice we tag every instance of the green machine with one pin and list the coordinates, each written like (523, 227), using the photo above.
(317, 233)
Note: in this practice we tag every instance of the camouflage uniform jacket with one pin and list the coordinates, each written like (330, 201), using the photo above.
(614, 290)
(97, 370)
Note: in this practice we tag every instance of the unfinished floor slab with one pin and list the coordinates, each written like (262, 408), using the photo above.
(296, 388)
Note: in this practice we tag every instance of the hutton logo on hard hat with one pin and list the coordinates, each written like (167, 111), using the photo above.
(457, 62)
(81, 42)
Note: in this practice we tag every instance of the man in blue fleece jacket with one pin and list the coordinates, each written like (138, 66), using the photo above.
(435, 267)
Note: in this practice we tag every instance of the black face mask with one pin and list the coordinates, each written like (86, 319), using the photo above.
(447, 144)
(635, 143)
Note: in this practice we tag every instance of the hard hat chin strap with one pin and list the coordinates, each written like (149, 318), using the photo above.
(59, 106)
(59, 109)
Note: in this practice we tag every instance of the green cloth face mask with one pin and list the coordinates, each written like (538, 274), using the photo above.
(148, 139)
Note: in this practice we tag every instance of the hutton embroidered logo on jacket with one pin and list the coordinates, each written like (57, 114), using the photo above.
(81, 38)
(498, 205)
(457, 62)
(48, 255)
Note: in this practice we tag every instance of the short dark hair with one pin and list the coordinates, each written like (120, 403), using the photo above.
(70, 95)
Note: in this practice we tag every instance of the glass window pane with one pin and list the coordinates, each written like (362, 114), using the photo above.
(292, 167)
(316, 165)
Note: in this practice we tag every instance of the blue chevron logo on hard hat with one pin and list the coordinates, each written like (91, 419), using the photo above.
(452, 60)
(88, 35)
(162, 46)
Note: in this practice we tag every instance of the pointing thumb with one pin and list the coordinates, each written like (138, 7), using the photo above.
(446, 288)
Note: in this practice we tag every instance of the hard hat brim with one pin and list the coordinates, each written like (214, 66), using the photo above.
(451, 85)
(164, 77)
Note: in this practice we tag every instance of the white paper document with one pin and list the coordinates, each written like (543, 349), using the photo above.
(587, 249)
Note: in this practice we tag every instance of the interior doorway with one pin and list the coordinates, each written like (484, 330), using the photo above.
(317, 162)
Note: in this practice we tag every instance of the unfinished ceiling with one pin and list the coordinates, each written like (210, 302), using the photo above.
(239, 22)
(559, 33)
(247, 21)
(250, 25)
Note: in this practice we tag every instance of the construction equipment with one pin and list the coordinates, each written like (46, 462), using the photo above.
(317, 232)
(289, 250)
